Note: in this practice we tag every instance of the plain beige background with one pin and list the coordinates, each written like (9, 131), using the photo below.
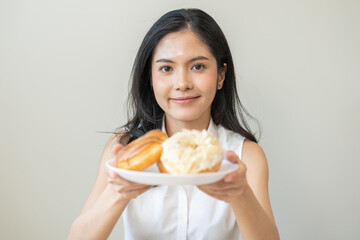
(64, 71)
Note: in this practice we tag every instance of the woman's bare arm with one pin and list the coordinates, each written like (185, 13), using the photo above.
(253, 209)
(107, 200)
(102, 208)
(246, 190)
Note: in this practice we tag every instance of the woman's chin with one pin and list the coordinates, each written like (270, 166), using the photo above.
(184, 116)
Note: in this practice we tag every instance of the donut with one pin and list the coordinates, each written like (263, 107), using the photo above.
(191, 151)
(142, 152)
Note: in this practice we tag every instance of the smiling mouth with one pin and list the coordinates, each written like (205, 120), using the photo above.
(184, 100)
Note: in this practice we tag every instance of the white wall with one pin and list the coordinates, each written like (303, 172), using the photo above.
(64, 70)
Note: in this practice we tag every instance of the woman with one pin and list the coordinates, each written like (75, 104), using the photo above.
(183, 77)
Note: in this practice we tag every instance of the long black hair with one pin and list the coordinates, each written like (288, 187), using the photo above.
(145, 114)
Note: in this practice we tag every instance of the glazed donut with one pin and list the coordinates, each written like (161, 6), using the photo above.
(142, 152)
(191, 151)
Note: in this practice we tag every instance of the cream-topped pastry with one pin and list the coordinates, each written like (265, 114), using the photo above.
(191, 151)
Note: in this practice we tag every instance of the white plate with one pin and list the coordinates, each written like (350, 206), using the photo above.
(152, 176)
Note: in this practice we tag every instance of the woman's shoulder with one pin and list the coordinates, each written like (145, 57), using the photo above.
(253, 155)
(252, 147)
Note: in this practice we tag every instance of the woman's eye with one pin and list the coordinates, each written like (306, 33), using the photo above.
(165, 68)
(198, 67)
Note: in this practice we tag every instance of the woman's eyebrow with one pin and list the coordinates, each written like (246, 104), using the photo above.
(191, 60)
(164, 60)
(199, 58)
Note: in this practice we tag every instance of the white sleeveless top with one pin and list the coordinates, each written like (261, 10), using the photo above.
(183, 212)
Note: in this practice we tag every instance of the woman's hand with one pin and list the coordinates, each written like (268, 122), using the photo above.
(232, 186)
(125, 189)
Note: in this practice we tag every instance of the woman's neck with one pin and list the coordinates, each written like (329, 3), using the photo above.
(173, 126)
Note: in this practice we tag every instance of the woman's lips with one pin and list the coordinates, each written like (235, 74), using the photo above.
(184, 100)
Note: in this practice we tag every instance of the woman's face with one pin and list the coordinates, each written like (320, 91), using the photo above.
(185, 77)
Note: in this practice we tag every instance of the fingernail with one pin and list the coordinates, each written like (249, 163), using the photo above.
(112, 174)
(228, 179)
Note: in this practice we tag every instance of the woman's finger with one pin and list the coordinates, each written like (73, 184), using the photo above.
(127, 184)
(230, 177)
(126, 189)
(112, 174)
(220, 187)
(134, 193)
(236, 174)
(116, 148)
(217, 195)
(232, 157)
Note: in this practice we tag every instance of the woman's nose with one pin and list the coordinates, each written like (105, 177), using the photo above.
(183, 81)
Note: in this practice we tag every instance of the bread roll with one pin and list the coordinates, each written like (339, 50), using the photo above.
(142, 152)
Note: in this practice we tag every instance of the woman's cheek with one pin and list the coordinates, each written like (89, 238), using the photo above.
(158, 86)
(161, 90)
(208, 82)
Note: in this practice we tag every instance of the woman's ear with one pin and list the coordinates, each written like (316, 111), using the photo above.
(221, 78)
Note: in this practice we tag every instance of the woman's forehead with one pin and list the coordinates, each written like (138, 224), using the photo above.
(183, 44)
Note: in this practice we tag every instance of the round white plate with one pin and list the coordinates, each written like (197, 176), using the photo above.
(152, 176)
